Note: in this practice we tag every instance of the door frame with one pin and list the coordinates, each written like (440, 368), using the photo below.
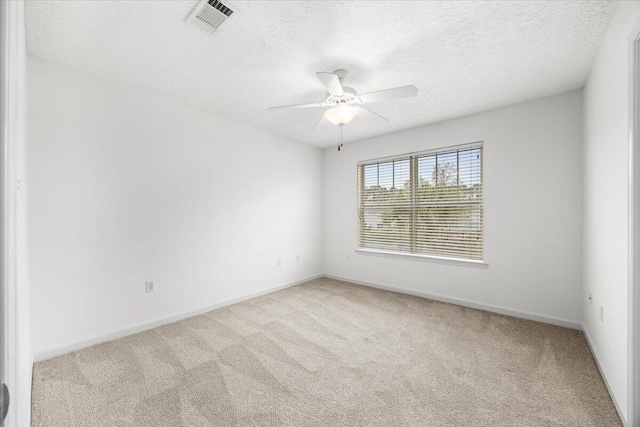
(5, 319)
(14, 286)
(633, 413)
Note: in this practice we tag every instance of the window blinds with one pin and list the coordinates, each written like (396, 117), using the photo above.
(427, 203)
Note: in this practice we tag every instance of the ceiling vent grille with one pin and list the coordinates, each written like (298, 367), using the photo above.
(208, 15)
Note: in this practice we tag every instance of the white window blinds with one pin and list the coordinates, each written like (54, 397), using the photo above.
(427, 203)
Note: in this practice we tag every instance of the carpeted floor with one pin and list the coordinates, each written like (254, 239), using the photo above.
(329, 353)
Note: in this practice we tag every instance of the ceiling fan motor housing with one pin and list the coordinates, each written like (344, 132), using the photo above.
(348, 96)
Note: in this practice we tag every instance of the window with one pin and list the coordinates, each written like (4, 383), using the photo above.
(427, 203)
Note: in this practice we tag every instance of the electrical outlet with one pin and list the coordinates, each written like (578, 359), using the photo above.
(590, 298)
(279, 262)
(298, 258)
(149, 286)
(602, 314)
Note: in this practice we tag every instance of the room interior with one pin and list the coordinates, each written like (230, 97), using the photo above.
(177, 251)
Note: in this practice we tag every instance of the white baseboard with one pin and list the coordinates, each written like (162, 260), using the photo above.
(26, 410)
(604, 374)
(59, 351)
(465, 303)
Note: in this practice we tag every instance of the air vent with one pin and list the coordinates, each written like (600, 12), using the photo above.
(208, 15)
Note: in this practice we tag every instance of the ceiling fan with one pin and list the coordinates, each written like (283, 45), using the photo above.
(344, 101)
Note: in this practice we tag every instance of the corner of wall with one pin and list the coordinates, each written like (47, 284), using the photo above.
(603, 373)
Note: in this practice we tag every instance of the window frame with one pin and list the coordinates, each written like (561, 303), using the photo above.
(413, 161)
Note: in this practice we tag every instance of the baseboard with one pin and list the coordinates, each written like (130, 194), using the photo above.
(604, 374)
(44, 355)
(59, 351)
(27, 399)
(465, 303)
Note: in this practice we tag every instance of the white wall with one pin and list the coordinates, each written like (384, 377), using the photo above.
(533, 210)
(128, 186)
(606, 145)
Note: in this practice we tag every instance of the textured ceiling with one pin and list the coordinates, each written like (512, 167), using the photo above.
(464, 57)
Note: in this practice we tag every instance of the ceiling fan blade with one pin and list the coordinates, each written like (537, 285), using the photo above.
(331, 82)
(297, 106)
(365, 112)
(387, 94)
(321, 124)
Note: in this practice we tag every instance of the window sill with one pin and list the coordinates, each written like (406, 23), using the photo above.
(427, 258)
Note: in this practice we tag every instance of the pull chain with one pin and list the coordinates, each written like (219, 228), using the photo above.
(340, 146)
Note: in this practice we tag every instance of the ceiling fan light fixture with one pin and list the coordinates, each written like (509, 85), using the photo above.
(341, 114)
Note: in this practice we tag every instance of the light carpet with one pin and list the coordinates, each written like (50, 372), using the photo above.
(329, 353)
